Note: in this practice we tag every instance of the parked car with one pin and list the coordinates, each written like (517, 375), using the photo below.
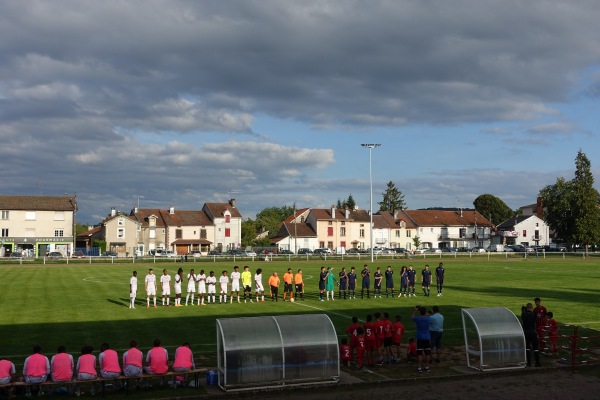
(249, 253)
(353, 251)
(109, 254)
(400, 250)
(78, 254)
(235, 253)
(434, 251)
(195, 254)
(449, 250)
(519, 248)
(323, 250)
(169, 253)
(286, 252)
(54, 254)
(305, 250)
(477, 250)
(214, 253)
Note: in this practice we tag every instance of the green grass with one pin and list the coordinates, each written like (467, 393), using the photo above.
(79, 303)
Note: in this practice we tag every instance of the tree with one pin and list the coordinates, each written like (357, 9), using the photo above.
(270, 218)
(571, 207)
(248, 232)
(416, 242)
(493, 208)
(349, 202)
(393, 199)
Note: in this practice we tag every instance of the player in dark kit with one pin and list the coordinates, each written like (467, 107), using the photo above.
(439, 277)
(403, 281)
(322, 282)
(343, 285)
(366, 281)
(352, 283)
(377, 283)
(411, 274)
(426, 280)
(389, 282)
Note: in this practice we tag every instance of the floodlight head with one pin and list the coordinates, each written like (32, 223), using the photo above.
(371, 145)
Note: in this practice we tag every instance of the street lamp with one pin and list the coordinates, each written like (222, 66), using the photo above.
(371, 146)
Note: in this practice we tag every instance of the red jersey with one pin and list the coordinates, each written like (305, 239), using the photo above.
(553, 327)
(387, 328)
(411, 350)
(351, 330)
(369, 331)
(379, 329)
(345, 353)
(541, 316)
(360, 344)
(398, 329)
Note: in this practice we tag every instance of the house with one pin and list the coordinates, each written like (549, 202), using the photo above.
(527, 230)
(451, 228)
(36, 225)
(118, 230)
(393, 230)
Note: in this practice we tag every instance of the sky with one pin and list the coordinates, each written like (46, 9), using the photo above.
(179, 103)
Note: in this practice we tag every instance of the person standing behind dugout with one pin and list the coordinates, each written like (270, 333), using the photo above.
(528, 318)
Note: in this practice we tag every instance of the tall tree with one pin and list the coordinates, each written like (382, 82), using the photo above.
(571, 207)
(492, 207)
(350, 202)
(393, 199)
(248, 232)
(270, 218)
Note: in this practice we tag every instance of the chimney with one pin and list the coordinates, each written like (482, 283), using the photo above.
(539, 211)
(232, 203)
(346, 213)
(332, 211)
(135, 209)
(395, 214)
(172, 210)
(113, 212)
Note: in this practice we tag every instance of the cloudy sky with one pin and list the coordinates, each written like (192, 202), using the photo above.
(186, 102)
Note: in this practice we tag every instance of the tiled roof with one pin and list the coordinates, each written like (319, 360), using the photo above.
(298, 230)
(298, 212)
(218, 209)
(510, 223)
(354, 215)
(142, 215)
(91, 232)
(185, 218)
(447, 218)
(38, 203)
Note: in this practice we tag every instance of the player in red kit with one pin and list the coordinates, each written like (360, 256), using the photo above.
(345, 353)
(552, 333)
(361, 347)
(541, 320)
(398, 332)
(370, 339)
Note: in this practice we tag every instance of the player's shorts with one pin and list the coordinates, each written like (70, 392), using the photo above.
(352, 286)
(343, 285)
(366, 284)
(212, 289)
(411, 283)
(288, 288)
(202, 288)
(259, 287)
(436, 339)
(397, 340)
(248, 288)
(425, 283)
(379, 342)
(423, 346)
(321, 285)
(151, 291)
(371, 345)
(387, 342)
(377, 285)
(223, 288)
(191, 289)
(235, 286)
(132, 295)
(440, 280)
(298, 287)
(166, 291)
(389, 285)
(177, 288)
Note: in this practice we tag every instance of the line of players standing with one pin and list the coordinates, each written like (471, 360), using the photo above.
(347, 283)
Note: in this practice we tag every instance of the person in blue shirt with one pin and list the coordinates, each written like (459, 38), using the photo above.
(366, 282)
(411, 275)
(322, 282)
(352, 283)
(403, 282)
(426, 280)
(389, 282)
(423, 338)
(436, 329)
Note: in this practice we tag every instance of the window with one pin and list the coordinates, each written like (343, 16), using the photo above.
(202, 233)
(321, 244)
(343, 244)
(227, 218)
(342, 231)
(178, 234)
(121, 221)
(397, 233)
(59, 233)
(524, 233)
(227, 232)
(152, 234)
(330, 231)
(5, 214)
(330, 245)
(462, 232)
(343, 222)
(121, 233)
(361, 233)
(536, 235)
(4, 231)
(408, 233)
(329, 222)
(30, 216)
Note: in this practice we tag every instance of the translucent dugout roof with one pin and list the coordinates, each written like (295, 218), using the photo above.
(276, 350)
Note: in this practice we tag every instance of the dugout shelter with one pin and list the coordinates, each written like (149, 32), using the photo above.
(274, 351)
(494, 339)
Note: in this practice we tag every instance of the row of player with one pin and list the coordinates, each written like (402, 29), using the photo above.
(37, 368)
(242, 283)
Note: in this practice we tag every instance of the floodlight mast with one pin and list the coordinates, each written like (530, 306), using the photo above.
(371, 146)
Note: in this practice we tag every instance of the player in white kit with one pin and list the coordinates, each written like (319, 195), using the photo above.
(201, 278)
(177, 287)
(260, 289)
(132, 289)
(224, 282)
(211, 282)
(165, 283)
(191, 286)
(150, 284)
(235, 284)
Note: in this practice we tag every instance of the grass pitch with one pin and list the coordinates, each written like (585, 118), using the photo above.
(80, 304)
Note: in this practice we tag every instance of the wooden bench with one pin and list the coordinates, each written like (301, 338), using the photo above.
(103, 381)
